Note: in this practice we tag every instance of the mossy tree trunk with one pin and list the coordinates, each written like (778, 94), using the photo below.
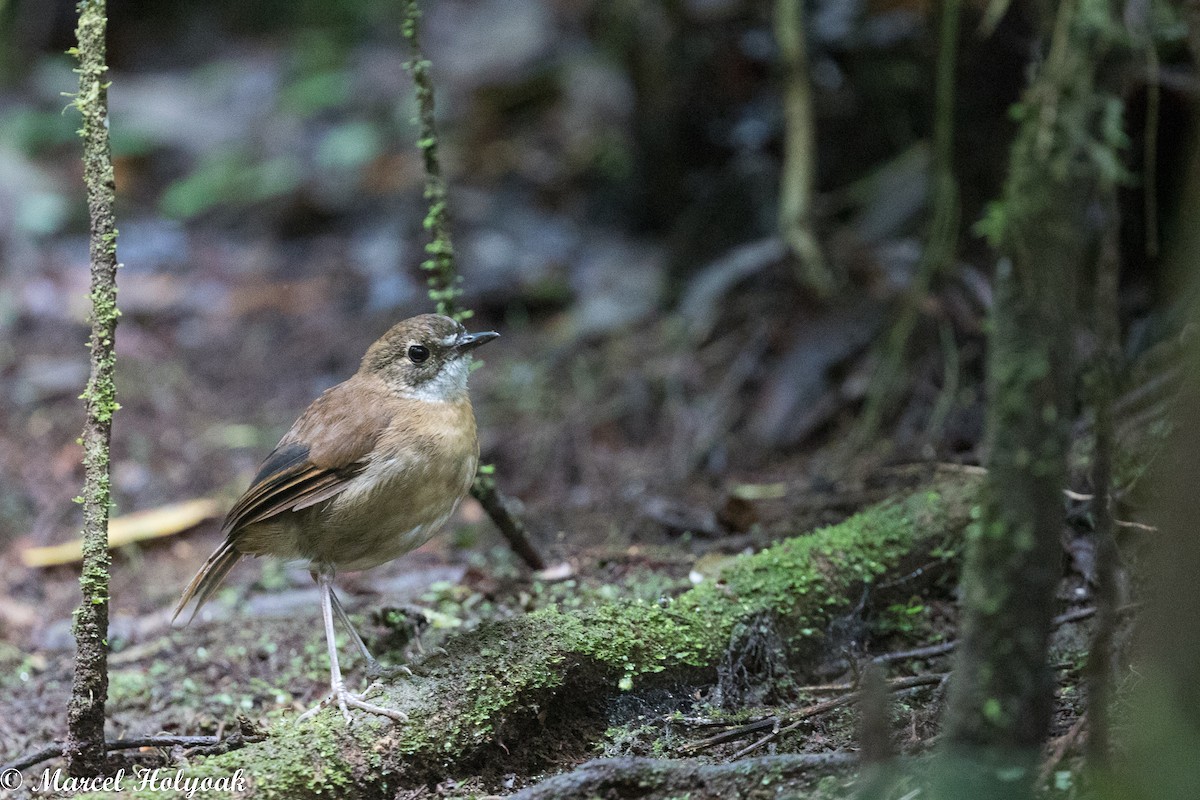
(1000, 702)
(85, 712)
(1162, 742)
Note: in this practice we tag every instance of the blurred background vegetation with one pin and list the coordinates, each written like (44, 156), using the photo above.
(606, 162)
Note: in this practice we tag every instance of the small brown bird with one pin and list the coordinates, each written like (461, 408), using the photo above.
(367, 473)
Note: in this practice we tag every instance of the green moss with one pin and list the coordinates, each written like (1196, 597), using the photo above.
(910, 618)
(805, 580)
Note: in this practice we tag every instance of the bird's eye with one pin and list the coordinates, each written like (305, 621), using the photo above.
(417, 353)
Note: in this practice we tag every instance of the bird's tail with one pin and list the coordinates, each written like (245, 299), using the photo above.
(208, 578)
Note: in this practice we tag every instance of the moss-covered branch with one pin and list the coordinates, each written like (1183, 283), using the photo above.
(85, 713)
(504, 696)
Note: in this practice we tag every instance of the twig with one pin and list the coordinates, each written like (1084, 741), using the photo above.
(784, 723)
(57, 749)
(1059, 748)
(509, 524)
(1137, 526)
(629, 777)
(797, 184)
(929, 651)
(1073, 616)
(837, 702)
(36, 757)
(941, 243)
(948, 395)
(933, 650)
(916, 573)
(768, 724)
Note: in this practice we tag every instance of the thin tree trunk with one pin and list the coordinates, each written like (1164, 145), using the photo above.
(1001, 698)
(444, 280)
(85, 712)
(1001, 688)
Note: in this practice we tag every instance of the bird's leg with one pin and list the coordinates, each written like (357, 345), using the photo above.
(374, 668)
(372, 663)
(345, 700)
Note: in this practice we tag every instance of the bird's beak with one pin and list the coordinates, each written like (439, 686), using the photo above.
(469, 341)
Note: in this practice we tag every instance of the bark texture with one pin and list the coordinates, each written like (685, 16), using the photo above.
(1001, 697)
(85, 712)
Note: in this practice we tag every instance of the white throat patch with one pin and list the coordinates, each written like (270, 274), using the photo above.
(450, 383)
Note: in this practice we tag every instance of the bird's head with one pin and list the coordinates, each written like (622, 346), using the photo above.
(426, 357)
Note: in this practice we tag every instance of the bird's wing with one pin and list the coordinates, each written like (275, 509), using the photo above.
(316, 459)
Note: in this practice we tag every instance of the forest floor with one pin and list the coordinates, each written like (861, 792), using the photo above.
(597, 499)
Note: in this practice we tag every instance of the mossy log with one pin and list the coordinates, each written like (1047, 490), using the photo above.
(522, 694)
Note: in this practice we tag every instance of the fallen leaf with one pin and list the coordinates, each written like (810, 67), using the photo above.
(153, 523)
(556, 572)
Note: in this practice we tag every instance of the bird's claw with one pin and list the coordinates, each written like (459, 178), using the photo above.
(348, 700)
(378, 672)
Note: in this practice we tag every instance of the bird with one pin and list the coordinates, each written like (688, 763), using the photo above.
(370, 470)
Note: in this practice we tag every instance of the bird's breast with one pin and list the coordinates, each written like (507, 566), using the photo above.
(417, 474)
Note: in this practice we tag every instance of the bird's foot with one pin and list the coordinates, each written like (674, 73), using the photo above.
(380, 672)
(347, 700)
